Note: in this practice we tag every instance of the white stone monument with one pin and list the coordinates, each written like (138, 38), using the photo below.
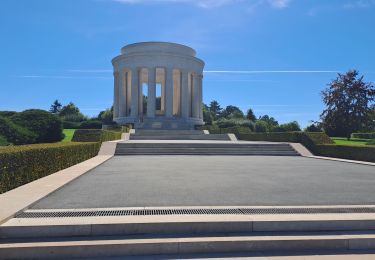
(158, 85)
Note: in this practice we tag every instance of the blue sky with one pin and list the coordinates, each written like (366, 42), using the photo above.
(274, 56)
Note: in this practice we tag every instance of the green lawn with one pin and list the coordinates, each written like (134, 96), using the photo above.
(68, 135)
(352, 141)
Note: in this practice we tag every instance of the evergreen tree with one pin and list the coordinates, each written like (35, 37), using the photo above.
(55, 107)
(250, 115)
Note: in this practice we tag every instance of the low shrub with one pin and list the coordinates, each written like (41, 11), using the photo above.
(237, 130)
(71, 125)
(3, 141)
(372, 142)
(310, 140)
(363, 135)
(235, 122)
(91, 124)
(25, 163)
(46, 126)
(95, 135)
(15, 134)
(351, 152)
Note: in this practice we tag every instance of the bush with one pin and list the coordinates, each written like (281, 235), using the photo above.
(15, 134)
(310, 140)
(237, 130)
(91, 124)
(261, 126)
(363, 135)
(372, 142)
(7, 113)
(71, 125)
(46, 126)
(3, 141)
(23, 164)
(351, 152)
(288, 127)
(95, 135)
(225, 123)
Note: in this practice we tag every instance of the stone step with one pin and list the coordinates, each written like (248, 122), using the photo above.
(224, 137)
(23, 228)
(204, 149)
(180, 245)
(168, 132)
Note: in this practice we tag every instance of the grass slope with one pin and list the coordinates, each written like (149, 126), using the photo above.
(352, 141)
(68, 135)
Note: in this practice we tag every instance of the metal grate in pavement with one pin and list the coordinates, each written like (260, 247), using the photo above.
(190, 211)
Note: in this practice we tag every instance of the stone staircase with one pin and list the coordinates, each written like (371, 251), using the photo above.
(200, 148)
(181, 235)
(176, 135)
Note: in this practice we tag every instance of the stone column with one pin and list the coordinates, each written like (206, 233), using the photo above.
(115, 95)
(200, 84)
(195, 96)
(134, 93)
(122, 94)
(184, 94)
(169, 92)
(151, 96)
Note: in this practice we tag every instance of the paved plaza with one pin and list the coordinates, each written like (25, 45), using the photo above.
(136, 181)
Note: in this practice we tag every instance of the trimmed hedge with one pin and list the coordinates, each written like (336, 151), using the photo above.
(308, 139)
(15, 134)
(351, 152)
(95, 135)
(363, 135)
(71, 125)
(91, 124)
(25, 163)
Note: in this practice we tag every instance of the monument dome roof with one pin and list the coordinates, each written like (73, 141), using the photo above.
(158, 47)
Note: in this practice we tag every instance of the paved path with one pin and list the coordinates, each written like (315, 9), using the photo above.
(135, 181)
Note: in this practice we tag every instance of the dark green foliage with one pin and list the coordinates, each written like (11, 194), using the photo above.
(15, 134)
(351, 152)
(313, 128)
(23, 164)
(232, 112)
(46, 126)
(215, 109)
(288, 127)
(250, 115)
(3, 141)
(269, 120)
(363, 135)
(71, 125)
(261, 126)
(95, 135)
(348, 102)
(310, 140)
(372, 142)
(7, 113)
(106, 116)
(225, 123)
(91, 124)
(55, 107)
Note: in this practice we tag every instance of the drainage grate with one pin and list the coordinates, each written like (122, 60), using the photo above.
(198, 211)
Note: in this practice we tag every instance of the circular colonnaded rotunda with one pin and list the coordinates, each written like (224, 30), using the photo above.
(158, 85)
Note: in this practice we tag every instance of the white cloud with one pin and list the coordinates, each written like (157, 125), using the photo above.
(280, 4)
(359, 4)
